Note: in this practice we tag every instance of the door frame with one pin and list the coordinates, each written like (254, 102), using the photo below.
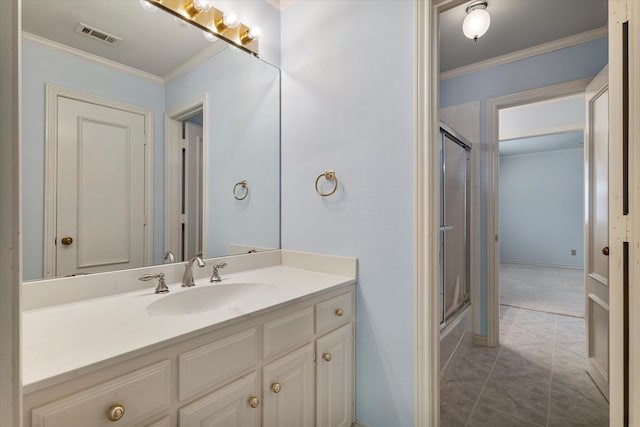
(51, 168)
(172, 163)
(494, 105)
(426, 327)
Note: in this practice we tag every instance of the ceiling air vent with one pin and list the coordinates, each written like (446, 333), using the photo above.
(97, 34)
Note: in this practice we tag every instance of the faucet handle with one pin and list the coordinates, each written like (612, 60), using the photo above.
(215, 277)
(162, 285)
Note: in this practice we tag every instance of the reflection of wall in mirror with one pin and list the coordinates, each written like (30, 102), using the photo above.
(42, 65)
(243, 137)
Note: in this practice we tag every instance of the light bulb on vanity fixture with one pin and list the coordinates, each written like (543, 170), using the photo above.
(228, 20)
(251, 34)
(194, 7)
(477, 21)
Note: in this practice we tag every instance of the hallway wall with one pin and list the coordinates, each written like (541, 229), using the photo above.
(563, 65)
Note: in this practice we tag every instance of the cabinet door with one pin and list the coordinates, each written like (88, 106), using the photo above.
(288, 390)
(334, 378)
(235, 405)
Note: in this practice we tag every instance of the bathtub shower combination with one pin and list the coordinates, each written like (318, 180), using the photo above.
(455, 181)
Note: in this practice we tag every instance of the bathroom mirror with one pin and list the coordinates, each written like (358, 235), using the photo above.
(113, 94)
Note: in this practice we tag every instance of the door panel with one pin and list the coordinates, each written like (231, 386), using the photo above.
(596, 231)
(100, 188)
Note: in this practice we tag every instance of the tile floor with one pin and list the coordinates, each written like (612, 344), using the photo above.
(536, 377)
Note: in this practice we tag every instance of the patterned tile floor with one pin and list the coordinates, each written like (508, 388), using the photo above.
(536, 377)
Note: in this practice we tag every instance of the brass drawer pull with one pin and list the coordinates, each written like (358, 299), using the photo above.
(605, 251)
(327, 357)
(66, 240)
(276, 387)
(339, 312)
(116, 412)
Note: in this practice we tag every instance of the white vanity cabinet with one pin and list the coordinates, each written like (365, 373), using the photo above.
(290, 365)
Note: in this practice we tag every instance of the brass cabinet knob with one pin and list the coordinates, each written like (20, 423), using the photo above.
(276, 387)
(254, 402)
(339, 312)
(327, 357)
(116, 412)
(66, 240)
(605, 251)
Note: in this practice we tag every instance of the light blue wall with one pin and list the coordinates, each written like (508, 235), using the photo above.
(347, 104)
(42, 65)
(541, 208)
(572, 63)
(243, 143)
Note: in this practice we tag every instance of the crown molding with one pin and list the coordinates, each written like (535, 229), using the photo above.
(527, 53)
(280, 4)
(90, 57)
(196, 60)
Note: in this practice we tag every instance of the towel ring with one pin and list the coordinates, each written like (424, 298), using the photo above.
(243, 184)
(329, 176)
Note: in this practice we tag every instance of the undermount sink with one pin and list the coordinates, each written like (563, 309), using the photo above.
(204, 298)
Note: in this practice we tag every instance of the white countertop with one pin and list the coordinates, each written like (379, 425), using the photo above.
(63, 341)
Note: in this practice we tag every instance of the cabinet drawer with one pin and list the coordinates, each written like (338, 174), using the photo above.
(334, 311)
(162, 422)
(286, 332)
(210, 364)
(141, 393)
(236, 404)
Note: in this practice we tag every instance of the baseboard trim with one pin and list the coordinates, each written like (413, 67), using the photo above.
(534, 264)
(481, 340)
(357, 423)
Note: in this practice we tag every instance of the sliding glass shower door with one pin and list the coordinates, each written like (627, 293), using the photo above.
(454, 224)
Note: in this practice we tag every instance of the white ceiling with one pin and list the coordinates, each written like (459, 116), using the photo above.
(151, 41)
(516, 25)
(540, 144)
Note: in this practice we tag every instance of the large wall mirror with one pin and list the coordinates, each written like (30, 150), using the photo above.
(141, 136)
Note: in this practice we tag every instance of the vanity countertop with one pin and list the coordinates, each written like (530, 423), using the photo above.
(66, 340)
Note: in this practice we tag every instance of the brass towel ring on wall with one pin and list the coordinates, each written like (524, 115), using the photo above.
(329, 176)
(245, 186)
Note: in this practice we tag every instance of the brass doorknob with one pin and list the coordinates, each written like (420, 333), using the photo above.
(327, 357)
(605, 251)
(276, 387)
(339, 312)
(115, 413)
(66, 240)
(254, 401)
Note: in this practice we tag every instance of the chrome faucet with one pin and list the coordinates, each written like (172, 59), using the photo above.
(215, 276)
(169, 256)
(187, 278)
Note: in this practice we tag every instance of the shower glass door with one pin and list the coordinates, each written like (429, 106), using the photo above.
(454, 229)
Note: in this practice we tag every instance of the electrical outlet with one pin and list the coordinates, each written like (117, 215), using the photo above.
(573, 252)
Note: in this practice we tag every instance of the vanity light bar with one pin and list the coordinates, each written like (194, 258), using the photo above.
(213, 21)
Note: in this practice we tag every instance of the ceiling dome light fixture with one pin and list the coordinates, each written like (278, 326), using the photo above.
(477, 21)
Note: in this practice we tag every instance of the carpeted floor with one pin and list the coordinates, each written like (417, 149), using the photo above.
(548, 289)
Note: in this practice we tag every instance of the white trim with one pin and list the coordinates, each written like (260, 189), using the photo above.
(10, 216)
(536, 264)
(526, 53)
(194, 61)
(90, 57)
(426, 217)
(568, 127)
(172, 187)
(540, 153)
(51, 172)
(493, 207)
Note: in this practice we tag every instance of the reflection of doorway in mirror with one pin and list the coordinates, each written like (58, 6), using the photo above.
(185, 192)
(96, 185)
(192, 187)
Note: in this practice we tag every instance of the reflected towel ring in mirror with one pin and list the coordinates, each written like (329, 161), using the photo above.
(243, 192)
(329, 176)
